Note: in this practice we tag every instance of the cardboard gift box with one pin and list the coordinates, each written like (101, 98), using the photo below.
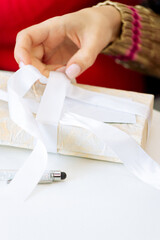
(74, 140)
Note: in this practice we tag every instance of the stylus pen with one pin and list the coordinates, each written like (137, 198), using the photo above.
(49, 176)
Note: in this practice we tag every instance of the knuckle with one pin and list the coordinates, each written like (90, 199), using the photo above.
(16, 54)
(21, 34)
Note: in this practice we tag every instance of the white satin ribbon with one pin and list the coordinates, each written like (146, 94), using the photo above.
(50, 108)
(3, 95)
(49, 113)
(125, 147)
(30, 173)
(107, 101)
(104, 100)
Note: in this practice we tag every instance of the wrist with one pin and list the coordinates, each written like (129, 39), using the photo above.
(113, 16)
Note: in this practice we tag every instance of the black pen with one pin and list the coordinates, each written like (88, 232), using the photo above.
(49, 176)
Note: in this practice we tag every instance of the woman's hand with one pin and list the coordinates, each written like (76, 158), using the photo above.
(73, 40)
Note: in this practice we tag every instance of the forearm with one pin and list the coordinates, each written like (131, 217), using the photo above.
(138, 44)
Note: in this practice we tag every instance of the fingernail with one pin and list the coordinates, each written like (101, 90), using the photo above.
(21, 64)
(73, 71)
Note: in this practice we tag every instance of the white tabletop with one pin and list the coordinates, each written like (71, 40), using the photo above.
(98, 200)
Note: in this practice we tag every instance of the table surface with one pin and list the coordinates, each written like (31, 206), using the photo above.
(98, 200)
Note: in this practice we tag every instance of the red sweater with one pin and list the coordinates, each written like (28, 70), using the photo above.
(19, 14)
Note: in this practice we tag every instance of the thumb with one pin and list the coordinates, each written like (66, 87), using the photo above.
(80, 61)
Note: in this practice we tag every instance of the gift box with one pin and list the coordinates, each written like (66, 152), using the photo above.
(73, 140)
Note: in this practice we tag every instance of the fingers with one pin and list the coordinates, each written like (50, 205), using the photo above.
(44, 45)
(92, 40)
(83, 58)
(25, 41)
(38, 39)
(96, 32)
